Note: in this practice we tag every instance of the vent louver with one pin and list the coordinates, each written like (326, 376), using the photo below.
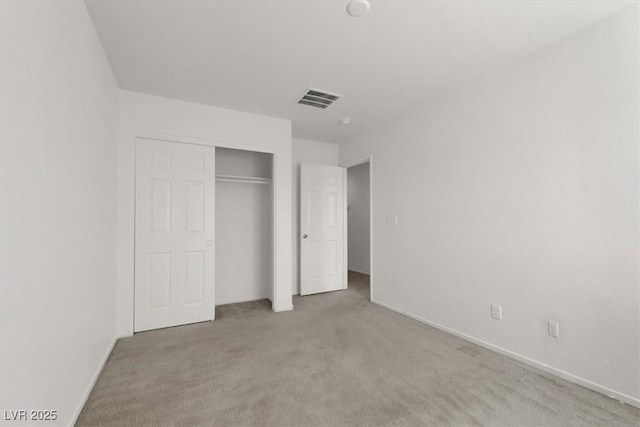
(318, 98)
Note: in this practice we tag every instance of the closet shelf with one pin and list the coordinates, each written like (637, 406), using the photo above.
(246, 179)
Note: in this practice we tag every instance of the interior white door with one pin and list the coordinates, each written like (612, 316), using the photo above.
(322, 229)
(174, 231)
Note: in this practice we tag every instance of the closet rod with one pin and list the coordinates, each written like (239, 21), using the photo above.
(245, 179)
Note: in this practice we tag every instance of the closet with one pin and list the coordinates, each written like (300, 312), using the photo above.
(244, 226)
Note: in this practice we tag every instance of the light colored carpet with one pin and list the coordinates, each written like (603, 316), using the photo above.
(335, 360)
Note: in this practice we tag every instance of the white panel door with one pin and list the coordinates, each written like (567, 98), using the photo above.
(174, 226)
(322, 229)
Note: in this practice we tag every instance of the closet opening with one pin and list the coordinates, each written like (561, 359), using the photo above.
(244, 226)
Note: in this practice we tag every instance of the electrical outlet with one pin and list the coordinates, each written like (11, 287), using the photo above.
(392, 220)
(553, 328)
(496, 311)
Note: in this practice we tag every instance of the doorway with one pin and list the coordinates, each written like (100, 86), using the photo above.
(244, 226)
(359, 227)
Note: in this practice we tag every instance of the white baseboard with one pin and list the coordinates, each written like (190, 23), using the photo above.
(281, 309)
(92, 383)
(237, 301)
(358, 271)
(531, 362)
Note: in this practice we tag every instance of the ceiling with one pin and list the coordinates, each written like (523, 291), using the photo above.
(260, 56)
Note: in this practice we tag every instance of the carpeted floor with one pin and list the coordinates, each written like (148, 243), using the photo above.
(335, 360)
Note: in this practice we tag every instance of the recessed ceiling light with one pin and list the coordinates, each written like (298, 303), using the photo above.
(358, 8)
(345, 121)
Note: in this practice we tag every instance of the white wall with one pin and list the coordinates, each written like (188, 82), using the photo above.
(243, 163)
(244, 227)
(358, 218)
(522, 190)
(58, 132)
(306, 151)
(244, 244)
(184, 121)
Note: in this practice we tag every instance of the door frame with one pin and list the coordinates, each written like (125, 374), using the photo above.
(274, 191)
(347, 165)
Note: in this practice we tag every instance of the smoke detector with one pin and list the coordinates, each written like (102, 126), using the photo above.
(358, 8)
(318, 98)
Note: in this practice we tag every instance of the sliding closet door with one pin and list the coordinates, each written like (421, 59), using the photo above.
(174, 223)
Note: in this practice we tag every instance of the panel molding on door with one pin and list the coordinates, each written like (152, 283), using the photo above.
(174, 231)
(322, 229)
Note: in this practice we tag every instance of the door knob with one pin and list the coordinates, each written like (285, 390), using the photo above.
(305, 235)
(209, 242)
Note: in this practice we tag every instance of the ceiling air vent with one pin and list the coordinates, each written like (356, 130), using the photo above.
(318, 98)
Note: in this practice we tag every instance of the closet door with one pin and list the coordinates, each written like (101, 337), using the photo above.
(174, 225)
